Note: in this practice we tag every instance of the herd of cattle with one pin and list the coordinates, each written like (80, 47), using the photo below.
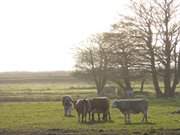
(101, 106)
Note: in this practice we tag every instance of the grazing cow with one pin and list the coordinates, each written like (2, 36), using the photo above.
(100, 105)
(82, 107)
(127, 106)
(67, 102)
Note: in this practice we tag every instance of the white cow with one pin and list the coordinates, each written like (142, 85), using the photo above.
(68, 105)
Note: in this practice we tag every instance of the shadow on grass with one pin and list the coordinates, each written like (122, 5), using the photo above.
(71, 116)
(97, 122)
(140, 123)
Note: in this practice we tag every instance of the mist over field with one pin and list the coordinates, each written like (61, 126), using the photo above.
(37, 77)
(90, 67)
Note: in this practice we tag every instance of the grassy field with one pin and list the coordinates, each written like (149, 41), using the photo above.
(47, 116)
(53, 91)
(43, 92)
(32, 116)
(36, 109)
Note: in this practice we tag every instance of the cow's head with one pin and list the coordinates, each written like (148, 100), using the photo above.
(115, 104)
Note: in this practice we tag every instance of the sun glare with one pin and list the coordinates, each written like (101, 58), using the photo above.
(39, 35)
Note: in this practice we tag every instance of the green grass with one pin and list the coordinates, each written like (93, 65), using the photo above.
(43, 92)
(49, 115)
(52, 91)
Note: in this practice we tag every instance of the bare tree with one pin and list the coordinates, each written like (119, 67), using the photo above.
(146, 40)
(125, 55)
(168, 26)
(92, 59)
(158, 32)
(145, 24)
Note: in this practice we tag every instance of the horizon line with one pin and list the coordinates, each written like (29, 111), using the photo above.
(32, 71)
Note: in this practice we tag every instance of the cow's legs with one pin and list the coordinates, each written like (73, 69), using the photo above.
(144, 117)
(85, 115)
(82, 119)
(99, 117)
(65, 111)
(129, 118)
(70, 111)
(89, 116)
(125, 118)
(92, 116)
(109, 114)
(79, 117)
(104, 117)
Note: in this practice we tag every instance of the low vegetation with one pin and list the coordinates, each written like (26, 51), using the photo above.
(23, 112)
(32, 116)
(49, 115)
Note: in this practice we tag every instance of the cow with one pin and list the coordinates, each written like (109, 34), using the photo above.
(67, 102)
(100, 105)
(128, 106)
(83, 107)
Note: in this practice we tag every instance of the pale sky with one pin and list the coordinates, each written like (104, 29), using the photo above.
(38, 35)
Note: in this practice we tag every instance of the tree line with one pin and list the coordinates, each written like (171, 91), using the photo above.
(144, 42)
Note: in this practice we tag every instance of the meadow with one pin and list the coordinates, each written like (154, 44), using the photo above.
(36, 108)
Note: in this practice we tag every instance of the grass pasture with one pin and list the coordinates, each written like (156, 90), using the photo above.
(31, 116)
(35, 108)
(43, 92)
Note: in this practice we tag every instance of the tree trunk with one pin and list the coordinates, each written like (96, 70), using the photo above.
(142, 85)
(100, 83)
(128, 91)
(99, 89)
(154, 75)
(167, 42)
(152, 61)
(127, 84)
(126, 76)
(156, 85)
(167, 81)
(176, 75)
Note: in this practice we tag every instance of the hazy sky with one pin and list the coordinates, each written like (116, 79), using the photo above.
(38, 35)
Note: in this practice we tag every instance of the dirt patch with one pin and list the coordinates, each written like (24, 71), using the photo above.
(90, 132)
(59, 132)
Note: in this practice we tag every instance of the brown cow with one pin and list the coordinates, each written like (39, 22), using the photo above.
(100, 105)
(82, 107)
